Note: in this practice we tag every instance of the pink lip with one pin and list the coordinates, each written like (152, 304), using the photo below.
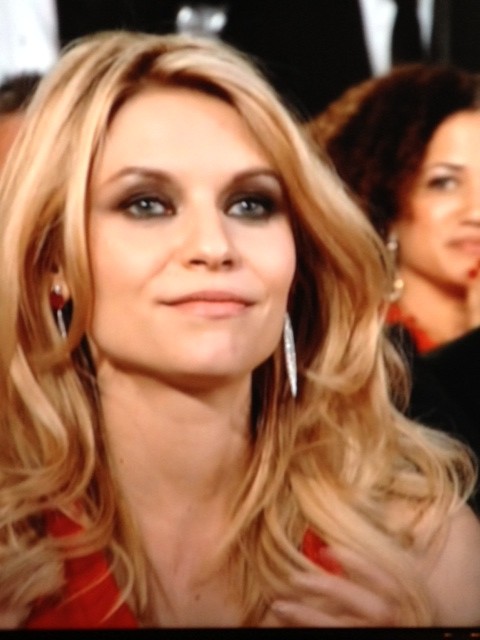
(210, 304)
(470, 246)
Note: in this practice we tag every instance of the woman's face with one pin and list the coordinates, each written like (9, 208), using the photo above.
(191, 247)
(439, 229)
(10, 124)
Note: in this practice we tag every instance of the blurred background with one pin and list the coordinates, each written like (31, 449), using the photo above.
(312, 50)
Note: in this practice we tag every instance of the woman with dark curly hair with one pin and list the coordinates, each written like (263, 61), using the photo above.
(407, 144)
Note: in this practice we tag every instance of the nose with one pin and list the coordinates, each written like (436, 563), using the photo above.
(472, 205)
(208, 241)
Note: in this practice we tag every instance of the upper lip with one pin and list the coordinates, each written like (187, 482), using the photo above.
(472, 239)
(209, 295)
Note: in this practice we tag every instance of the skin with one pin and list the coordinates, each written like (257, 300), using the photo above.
(450, 570)
(174, 378)
(175, 372)
(175, 375)
(218, 225)
(9, 127)
(439, 232)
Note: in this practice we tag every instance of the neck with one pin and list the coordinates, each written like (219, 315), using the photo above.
(175, 450)
(180, 458)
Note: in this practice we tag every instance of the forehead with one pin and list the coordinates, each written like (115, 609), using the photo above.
(178, 127)
(9, 127)
(459, 129)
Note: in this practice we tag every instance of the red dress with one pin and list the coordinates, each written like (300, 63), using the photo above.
(83, 606)
(422, 341)
(91, 593)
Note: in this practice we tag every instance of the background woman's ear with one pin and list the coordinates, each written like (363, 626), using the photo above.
(393, 248)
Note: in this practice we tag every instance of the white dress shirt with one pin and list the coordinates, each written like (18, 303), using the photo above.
(378, 17)
(28, 36)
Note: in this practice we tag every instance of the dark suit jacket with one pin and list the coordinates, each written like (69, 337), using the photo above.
(312, 50)
(446, 388)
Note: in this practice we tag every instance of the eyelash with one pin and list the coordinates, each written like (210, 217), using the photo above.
(268, 204)
(441, 182)
(134, 206)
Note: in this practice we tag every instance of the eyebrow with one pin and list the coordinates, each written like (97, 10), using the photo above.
(257, 173)
(141, 172)
(159, 175)
(445, 165)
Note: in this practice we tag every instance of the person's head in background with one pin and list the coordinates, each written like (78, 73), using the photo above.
(406, 144)
(15, 95)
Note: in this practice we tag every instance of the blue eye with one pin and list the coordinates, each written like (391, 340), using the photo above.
(253, 207)
(147, 207)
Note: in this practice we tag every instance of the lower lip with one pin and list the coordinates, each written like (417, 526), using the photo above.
(212, 310)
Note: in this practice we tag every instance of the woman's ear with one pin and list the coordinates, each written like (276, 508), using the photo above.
(390, 231)
(59, 288)
(59, 297)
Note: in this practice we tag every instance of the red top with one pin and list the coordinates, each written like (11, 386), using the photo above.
(90, 593)
(422, 341)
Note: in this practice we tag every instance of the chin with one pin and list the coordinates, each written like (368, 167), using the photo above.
(192, 383)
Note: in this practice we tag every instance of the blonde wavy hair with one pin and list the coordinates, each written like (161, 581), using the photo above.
(333, 460)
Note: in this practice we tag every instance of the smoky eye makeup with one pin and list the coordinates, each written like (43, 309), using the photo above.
(139, 194)
(143, 194)
(255, 197)
(146, 206)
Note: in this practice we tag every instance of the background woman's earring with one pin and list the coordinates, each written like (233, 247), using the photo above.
(290, 355)
(397, 284)
(57, 303)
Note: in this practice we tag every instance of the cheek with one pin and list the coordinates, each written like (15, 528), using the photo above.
(120, 261)
(430, 211)
(117, 280)
(418, 227)
(281, 265)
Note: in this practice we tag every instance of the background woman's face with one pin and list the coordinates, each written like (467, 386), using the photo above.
(190, 242)
(439, 231)
(10, 124)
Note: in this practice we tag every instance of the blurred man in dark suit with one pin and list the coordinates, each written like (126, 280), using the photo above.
(446, 388)
(312, 50)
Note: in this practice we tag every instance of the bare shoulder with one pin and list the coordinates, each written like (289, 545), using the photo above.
(453, 571)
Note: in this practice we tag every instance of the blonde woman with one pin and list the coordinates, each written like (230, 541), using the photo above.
(167, 457)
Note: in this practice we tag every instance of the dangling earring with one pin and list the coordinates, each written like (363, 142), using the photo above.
(397, 284)
(57, 303)
(290, 355)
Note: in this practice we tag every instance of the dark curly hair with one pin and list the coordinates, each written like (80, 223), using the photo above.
(377, 132)
(16, 91)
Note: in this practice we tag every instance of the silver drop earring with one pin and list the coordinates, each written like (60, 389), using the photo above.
(290, 355)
